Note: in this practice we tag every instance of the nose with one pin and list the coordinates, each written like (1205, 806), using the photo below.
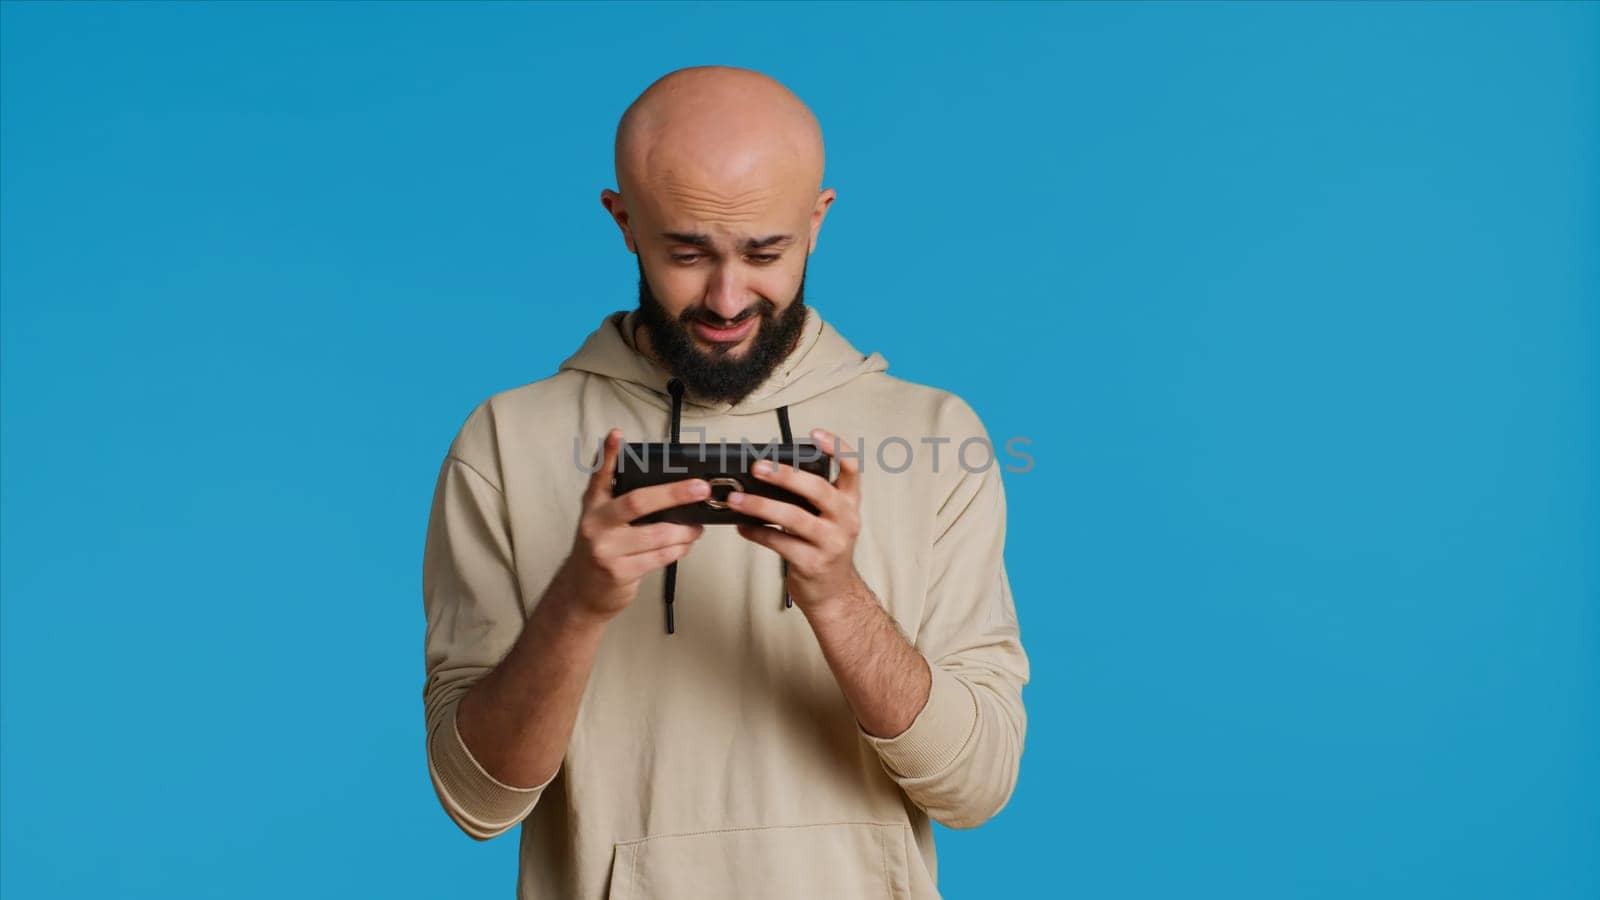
(725, 294)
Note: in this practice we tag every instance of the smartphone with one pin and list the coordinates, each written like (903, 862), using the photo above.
(726, 465)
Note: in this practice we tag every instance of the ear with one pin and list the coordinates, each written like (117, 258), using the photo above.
(818, 211)
(612, 201)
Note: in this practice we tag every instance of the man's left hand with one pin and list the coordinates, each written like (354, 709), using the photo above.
(820, 548)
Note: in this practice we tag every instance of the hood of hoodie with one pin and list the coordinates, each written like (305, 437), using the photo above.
(821, 360)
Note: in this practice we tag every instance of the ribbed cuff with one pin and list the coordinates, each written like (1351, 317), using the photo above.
(938, 733)
(477, 798)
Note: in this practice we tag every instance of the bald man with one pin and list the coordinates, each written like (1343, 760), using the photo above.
(808, 693)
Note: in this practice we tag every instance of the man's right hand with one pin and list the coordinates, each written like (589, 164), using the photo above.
(609, 556)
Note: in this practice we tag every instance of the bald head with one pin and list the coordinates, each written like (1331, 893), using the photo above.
(721, 125)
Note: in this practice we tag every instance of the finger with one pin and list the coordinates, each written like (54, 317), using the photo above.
(849, 481)
(599, 489)
(813, 487)
(638, 564)
(646, 500)
(794, 520)
(787, 546)
(628, 540)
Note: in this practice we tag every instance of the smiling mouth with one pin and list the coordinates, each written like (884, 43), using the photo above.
(729, 334)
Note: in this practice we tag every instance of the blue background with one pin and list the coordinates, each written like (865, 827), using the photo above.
(1297, 303)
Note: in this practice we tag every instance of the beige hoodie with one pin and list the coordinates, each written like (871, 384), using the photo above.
(722, 760)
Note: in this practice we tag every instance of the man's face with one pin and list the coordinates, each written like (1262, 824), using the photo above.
(735, 324)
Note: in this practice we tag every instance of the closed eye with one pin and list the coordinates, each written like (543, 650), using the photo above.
(760, 258)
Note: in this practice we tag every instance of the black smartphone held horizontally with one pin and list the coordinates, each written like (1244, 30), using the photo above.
(726, 465)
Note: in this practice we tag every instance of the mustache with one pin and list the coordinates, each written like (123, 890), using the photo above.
(764, 308)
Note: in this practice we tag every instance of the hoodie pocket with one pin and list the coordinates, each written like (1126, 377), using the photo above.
(840, 861)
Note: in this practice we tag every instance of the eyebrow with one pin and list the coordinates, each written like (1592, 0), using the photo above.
(704, 240)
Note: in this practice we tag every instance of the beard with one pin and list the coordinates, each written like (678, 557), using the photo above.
(716, 374)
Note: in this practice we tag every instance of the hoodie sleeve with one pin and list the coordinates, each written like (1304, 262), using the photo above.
(958, 760)
(474, 613)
